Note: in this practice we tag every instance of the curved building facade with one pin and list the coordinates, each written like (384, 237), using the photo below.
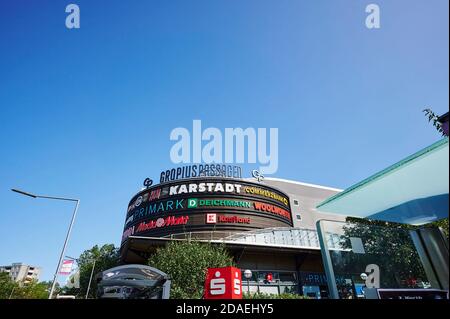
(209, 208)
(267, 226)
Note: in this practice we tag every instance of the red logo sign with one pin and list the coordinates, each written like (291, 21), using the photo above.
(214, 218)
(223, 283)
(162, 222)
(272, 209)
(211, 218)
(234, 219)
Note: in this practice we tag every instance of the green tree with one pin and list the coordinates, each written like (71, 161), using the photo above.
(105, 257)
(432, 117)
(10, 289)
(186, 263)
(388, 245)
(32, 290)
(443, 224)
(7, 286)
(435, 119)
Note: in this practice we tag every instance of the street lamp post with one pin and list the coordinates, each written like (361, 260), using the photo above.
(68, 231)
(248, 275)
(10, 295)
(90, 279)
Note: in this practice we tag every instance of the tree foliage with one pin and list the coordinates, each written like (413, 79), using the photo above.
(389, 245)
(105, 257)
(6, 285)
(10, 289)
(443, 224)
(186, 263)
(434, 119)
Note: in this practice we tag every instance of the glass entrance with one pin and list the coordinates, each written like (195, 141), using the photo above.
(362, 256)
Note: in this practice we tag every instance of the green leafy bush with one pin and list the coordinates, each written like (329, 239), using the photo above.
(186, 263)
(10, 289)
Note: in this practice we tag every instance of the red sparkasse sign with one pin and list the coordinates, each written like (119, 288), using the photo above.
(223, 283)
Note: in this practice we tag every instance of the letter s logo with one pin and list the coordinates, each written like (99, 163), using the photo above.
(237, 286)
(217, 285)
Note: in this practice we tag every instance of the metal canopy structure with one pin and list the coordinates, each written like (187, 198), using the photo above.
(413, 191)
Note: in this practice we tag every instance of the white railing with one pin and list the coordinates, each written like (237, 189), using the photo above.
(290, 237)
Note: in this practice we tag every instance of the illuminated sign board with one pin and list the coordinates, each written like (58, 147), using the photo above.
(188, 205)
(206, 205)
(162, 222)
(200, 170)
(272, 209)
(204, 188)
(214, 218)
(194, 203)
(266, 193)
(208, 187)
(223, 283)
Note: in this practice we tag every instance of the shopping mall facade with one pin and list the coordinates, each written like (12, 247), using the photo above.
(268, 225)
(279, 230)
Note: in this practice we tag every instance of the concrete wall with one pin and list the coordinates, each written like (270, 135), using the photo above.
(308, 197)
(22, 272)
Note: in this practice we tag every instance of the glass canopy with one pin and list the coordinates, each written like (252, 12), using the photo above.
(413, 191)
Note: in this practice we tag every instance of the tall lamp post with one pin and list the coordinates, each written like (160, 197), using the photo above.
(10, 295)
(68, 231)
(90, 279)
(248, 275)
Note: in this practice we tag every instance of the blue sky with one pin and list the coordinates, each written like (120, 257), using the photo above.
(87, 113)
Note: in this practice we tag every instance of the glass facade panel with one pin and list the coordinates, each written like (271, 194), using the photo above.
(364, 255)
(281, 282)
(311, 291)
(293, 289)
(278, 236)
(287, 276)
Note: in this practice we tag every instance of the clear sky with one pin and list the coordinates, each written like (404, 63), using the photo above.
(87, 113)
